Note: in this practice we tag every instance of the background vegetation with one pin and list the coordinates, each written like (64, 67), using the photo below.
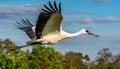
(42, 57)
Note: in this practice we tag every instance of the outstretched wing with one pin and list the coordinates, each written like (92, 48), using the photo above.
(26, 26)
(49, 20)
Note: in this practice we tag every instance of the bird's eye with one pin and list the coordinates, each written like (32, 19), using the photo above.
(87, 31)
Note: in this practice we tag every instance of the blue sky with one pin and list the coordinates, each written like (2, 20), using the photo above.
(99, 16)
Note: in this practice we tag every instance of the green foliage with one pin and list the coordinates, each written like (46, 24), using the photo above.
(21, 61)
(74, 61)
(6, 61)
(42, 57)
(1, 46)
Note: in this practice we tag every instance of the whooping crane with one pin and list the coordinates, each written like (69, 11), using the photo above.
(48, 28)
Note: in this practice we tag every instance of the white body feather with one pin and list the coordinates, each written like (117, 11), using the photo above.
(54, 37)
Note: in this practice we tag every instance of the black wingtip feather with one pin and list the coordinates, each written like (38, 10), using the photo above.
(60, 7)
(19, 24)
(48, 8)
(29, 22)
(45, 11)
(24, 23)
(26, 26)
(55, 6)
(51, 6)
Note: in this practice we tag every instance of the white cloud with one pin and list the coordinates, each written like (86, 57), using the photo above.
(79, 12)
(28, 10)
(93, 20)
(23, 11)
(108, 19)
(13, 11)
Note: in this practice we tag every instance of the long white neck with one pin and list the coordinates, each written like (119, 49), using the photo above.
(76, 34)
(66, 35)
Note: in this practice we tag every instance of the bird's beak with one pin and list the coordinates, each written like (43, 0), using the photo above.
(93, 34)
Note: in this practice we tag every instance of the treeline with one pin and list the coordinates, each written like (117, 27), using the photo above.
(42, 57)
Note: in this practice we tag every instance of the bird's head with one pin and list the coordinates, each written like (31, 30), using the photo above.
(85, 31)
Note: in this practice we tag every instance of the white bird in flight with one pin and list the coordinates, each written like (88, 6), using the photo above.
(48, 28)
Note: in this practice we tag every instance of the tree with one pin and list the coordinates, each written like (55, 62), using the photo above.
(1, 46)
(73, 60)
(116, 61)
(44, 58)
(104, 59)
(6, 62)
(9, 45)
(40, 57)
(104, 55)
